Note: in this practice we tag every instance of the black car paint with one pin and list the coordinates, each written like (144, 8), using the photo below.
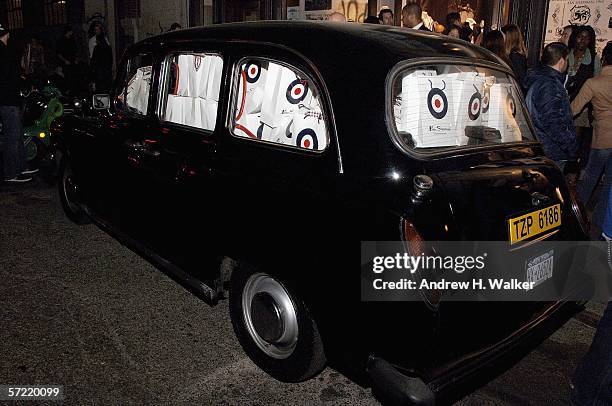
(188, 197)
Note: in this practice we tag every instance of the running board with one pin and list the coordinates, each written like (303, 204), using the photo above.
(194, 285)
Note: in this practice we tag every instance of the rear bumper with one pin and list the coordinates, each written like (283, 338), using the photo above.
(448, 383)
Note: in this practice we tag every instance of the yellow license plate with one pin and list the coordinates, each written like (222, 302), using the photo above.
(534, 223)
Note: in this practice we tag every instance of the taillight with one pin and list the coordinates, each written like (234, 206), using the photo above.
(417, 246)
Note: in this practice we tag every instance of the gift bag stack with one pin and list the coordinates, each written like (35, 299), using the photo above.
(275, 105)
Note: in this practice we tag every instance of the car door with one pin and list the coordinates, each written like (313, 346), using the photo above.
(108, 143)
(277, 163)
(172, 165)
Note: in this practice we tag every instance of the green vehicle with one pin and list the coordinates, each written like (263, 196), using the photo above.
(41, 108)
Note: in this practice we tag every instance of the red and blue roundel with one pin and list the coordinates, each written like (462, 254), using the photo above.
(486, 100)
(475, 106)
(253, 71)
(511, 104)
(437, 103)
(307, 139)
(296, 92)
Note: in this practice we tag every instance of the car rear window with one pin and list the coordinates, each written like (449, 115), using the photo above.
(445, 106)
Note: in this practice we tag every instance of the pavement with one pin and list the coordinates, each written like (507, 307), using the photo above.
(78, 309)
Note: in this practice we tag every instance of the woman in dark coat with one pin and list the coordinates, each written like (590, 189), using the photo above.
(102, 65)
(517, 53)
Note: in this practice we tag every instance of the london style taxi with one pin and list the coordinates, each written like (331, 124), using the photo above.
(249, 160)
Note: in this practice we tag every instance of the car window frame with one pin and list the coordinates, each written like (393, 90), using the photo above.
(162, 89)
(455, 150)
(126, 69)
(321, 90)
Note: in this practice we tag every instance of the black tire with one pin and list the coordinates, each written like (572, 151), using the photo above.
(68, 194)
(307, 357)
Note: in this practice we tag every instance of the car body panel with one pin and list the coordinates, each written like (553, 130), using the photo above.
(191, 197)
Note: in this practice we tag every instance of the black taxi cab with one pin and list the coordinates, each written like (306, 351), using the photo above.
(249, 160)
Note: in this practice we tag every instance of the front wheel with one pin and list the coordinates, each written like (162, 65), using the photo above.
(274, 327)
(68, 193)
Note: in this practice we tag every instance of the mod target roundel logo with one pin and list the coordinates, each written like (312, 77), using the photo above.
(307, 139)
(511, 104)
(437, 103)
(253, 71)
(296, 91)
(475, 106)
(486, 100)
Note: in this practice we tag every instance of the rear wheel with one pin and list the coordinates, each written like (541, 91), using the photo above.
(68, 192)
(274, 326)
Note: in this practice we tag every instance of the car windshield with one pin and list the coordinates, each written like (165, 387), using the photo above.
(446, 106)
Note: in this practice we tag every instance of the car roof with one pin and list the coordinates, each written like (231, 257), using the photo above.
(340, 41)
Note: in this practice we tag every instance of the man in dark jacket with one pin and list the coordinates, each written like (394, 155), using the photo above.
(13, 153)
(411, 17)
(549, 105)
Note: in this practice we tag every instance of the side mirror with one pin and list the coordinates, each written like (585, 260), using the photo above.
(100, 102)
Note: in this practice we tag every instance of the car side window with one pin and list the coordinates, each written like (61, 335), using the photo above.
(136, 85)
(278, 103)
(193, 83)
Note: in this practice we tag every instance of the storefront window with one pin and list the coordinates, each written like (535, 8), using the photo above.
(201, 12)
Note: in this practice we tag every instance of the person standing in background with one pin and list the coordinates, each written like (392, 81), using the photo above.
(66, 50)
(453, 19)
(33, 63)
(584, 63)
(598, 92)
(412, 17)
(549, 106)
(102, 66)
(494, 42)
(14, 168)
(516, 51)
(94, 31)
(592, 381)
(385, 15)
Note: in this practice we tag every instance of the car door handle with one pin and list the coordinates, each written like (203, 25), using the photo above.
(142, 149)
(149, 152)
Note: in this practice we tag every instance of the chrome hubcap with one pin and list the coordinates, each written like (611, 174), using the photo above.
(270, 316)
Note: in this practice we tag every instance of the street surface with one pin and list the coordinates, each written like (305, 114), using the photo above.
(78, 309)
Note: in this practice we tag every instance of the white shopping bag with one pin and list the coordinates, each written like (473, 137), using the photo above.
(426, 109)
(502, 112)
(468, 90)
(137, 94)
